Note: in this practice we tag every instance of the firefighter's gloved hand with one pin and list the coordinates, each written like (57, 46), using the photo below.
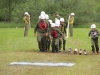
(46, 34)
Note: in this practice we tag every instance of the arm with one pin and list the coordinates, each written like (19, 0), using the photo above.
(98, 33)
(59, 32)
(89, 34)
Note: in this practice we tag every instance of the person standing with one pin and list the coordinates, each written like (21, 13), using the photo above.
(71, 21)
(26, 20)
(64, 34)
(48, 40)
(94, 38)
(57, 16)
(42, 31)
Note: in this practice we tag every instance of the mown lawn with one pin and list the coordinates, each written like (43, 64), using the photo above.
(14, 48)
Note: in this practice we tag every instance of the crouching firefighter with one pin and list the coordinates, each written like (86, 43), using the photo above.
(41, 29)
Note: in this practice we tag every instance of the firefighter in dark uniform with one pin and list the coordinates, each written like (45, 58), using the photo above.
(64, 34)
(55, 35)
(94, 38)
(42, 31)
(57, 16)
(48, 40)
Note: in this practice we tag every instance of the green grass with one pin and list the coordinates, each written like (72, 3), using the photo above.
(12, 39)
(15, 47)
(11, 25)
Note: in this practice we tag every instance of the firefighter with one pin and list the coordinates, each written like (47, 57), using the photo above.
(42, 32)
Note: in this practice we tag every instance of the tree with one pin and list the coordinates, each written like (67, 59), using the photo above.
(86, 11)
(8, 6)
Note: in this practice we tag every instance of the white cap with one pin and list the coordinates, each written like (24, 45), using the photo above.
(42, 13)
(72, 14)
(57, 22)
(52, 24)
(50, 21)
(93, 26)
(26, 13)
(62, 19)
(46, 16)
(42, 16)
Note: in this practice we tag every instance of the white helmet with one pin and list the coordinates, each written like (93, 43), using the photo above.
(42, 17)
(57, 22)
(72, 14)
(93, 26)
(50, 21)
(26, 13)
(52, 24)
(46, 16)
(42, 13)
(62, 19)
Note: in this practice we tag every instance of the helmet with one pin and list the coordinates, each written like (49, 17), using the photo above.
(52, 24)
(46, 16)
(57, 22)
(93, 26)
(50, 21)
(26, 13)
(72, 14)
(62, 19)
(42, 16)
(42, 13)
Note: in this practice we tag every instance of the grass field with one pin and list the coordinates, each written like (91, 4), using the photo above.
(14, 48)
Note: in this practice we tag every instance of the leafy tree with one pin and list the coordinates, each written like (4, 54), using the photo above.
(86, 11)
(8, 6)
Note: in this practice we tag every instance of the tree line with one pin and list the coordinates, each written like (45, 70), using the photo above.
(86, 11)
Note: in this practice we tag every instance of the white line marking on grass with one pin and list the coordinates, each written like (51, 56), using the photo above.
(42, 64)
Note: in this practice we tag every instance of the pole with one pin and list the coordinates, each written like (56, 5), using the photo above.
(68, 26)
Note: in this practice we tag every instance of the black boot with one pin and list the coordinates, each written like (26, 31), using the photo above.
(93, 49)
(64, 45)
(97, 48)
(57, 48)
